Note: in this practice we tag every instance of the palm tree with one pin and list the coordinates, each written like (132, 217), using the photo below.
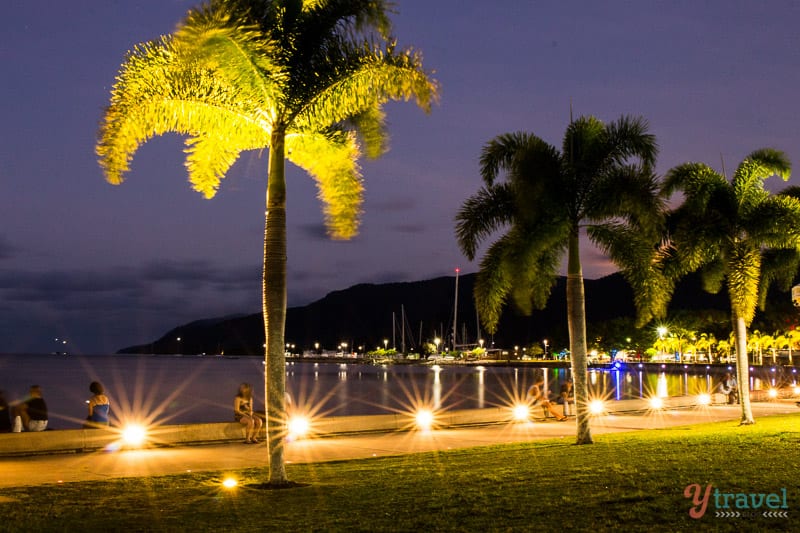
(600, 182)
(724, 348)
(705, 343)
(732, 231)
(306, 79)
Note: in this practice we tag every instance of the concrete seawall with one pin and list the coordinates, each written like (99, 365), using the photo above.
(85, 440)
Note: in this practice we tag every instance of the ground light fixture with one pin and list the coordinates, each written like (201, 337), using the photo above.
(796, 390)
(656, 403)
(521, 412)
(134, 435)
(704, 399)
(597, 407)
(424, 419)
(772, 393)
(298, 427)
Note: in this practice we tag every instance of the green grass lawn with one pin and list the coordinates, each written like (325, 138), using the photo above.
(631, 482)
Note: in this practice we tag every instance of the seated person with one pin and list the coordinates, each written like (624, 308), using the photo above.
(5, 414)
(730, 388)
(99, 406)
(243, 413)
(33, 411)
(566, 396)
(537, 397)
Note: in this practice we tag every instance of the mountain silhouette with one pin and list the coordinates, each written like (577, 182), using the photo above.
(363, 315)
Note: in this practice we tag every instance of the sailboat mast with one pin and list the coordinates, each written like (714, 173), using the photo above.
(403, 329)
(455, 312)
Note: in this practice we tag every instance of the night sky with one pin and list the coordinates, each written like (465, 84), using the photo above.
(107, 266)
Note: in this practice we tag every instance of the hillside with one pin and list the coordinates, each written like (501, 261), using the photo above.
(362, 316)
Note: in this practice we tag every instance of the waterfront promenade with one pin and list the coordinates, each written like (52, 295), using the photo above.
(103, 465)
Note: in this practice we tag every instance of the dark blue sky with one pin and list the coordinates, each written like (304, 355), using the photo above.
(105, 267)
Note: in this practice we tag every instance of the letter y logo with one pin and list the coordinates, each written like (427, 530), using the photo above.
(700, 503)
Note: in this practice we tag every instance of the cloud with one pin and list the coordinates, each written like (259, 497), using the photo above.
(314, 231)
(58, 285)
(390, 276)
(395, 205)
(414, 229)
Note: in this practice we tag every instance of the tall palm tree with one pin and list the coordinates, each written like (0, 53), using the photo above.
(601, 182)
(306, 79)
(734, 232)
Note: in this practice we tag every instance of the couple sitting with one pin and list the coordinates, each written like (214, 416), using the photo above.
(537, 397)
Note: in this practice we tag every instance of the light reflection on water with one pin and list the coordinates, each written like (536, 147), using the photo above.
(201, 389)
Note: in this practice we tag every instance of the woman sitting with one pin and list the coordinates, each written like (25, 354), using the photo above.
(243, 412)
(99, 406)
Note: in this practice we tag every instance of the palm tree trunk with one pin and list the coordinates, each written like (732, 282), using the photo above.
(576, 319)
(274, 308)
(743, 369)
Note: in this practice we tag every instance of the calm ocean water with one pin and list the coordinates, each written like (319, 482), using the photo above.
(193, 389)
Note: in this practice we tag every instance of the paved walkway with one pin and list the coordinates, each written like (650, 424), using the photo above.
(37, 470)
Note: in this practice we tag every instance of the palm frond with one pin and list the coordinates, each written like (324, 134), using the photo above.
(748, 180)
(695, 180)
(353, 17)
(779, 268)
(628, 138)
(234, 50)
(503, 152)
(370, 125)
(482, 214)
(375, 78)
(775, 222)
(157, 92)
(639, 257)
(492, 285)
(534, 263)
(585, 151)
(332, 161)
(629, 191)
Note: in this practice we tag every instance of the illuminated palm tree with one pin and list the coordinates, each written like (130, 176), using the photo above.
(732, 233)
(601, 182)
(705, 343)
(724, 348)
(794, 343)
(306, 79)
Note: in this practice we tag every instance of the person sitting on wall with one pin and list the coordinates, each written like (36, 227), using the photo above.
(566, 396)
(33, 411)
(243, 413)
(730, 388)
(99, 406)
(537, 397)
(5, 414)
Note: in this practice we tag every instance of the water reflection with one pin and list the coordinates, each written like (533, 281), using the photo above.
(201, 390)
